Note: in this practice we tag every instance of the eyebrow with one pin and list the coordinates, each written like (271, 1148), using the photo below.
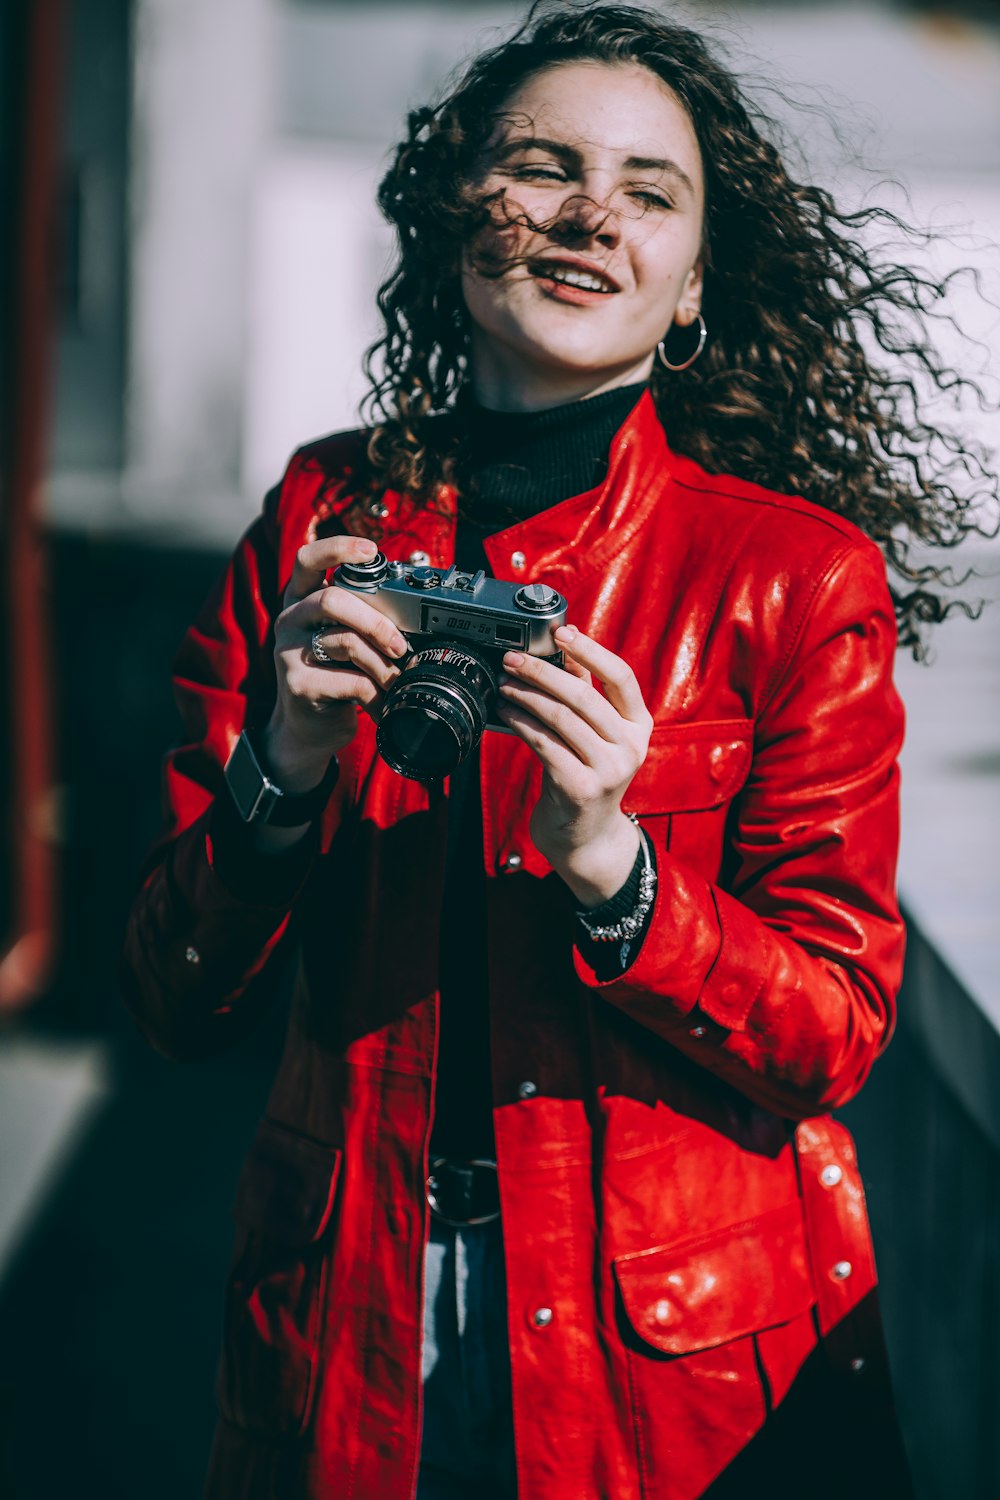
(571, 154)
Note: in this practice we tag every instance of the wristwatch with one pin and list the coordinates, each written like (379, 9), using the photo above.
(259, 800)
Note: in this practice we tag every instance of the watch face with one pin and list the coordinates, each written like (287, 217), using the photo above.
(247, 782)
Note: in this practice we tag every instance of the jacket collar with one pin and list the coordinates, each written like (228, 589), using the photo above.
(581, 535)
(566, 543)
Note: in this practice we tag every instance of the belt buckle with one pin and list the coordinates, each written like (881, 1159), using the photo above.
(453, 1184)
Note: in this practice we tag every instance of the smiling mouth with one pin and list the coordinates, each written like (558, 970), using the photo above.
(568, 275)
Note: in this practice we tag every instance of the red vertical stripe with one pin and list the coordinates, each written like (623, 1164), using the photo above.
(28, 949)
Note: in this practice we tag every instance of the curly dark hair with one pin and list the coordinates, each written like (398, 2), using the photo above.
(792, 390)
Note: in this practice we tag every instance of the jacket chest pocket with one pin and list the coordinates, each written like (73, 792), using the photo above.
(687, 784)
(276, 1289)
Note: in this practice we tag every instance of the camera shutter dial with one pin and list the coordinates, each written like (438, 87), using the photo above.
(424, 578)
(536, 597)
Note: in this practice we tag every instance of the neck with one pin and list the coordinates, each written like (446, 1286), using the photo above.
(502, 386)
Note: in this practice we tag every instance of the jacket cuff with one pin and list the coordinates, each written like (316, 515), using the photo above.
(609, 960)
(250, 876)
(682, 944)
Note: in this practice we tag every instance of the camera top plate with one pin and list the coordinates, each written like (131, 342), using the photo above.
(459, 605)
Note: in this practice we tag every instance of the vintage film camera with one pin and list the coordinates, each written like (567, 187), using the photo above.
(458, 625)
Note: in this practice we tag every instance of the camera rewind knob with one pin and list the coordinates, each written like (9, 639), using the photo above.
(536, 597)
(364, 572)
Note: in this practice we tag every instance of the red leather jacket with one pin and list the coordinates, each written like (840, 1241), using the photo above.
(672, 1189)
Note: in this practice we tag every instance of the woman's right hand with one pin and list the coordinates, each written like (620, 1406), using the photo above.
(315, 713)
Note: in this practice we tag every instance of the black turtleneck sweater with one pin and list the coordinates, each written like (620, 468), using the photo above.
(515, 464)
(512, 465)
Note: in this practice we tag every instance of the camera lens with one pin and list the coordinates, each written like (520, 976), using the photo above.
(436, 711)
(419, 739)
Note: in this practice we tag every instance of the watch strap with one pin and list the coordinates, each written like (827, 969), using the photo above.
(259, 799)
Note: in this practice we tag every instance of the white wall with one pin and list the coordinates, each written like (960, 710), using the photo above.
(203, 116)
(318, 250)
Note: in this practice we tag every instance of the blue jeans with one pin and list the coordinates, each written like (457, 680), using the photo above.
(467, 1443)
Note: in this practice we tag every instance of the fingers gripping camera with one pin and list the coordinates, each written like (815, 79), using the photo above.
(459, 625)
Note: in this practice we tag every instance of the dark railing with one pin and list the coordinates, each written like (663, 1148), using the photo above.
(927, 1125)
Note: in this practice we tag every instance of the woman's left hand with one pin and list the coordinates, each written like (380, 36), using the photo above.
(590, 745)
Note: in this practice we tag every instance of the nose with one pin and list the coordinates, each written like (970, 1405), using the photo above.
(582, 218)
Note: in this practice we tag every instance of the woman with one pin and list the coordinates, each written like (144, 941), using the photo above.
(546, 1200)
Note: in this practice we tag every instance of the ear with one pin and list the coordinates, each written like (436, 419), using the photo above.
(689, 302)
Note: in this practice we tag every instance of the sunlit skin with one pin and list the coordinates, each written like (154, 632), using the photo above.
(605, 159)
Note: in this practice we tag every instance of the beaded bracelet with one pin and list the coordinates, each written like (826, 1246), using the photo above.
(617, 932)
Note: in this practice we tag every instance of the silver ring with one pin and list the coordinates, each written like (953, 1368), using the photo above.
(318, 652)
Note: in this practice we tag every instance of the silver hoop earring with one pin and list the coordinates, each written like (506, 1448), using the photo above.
(661, 350)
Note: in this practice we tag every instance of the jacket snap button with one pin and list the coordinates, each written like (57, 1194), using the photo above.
(512, 861)
(419, 559)
(192, 955)
(542, 1317)
(661, 1312)
(857, 1365)
(830, 1176)
(841, 1270)
(527, 1089)
(698, 1031)
(517, 561)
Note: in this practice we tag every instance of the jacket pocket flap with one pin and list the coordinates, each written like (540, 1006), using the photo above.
(681, 1298)
(691, 767)
(287, 1186)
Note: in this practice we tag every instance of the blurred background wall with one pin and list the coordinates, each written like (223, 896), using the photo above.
(211, 250)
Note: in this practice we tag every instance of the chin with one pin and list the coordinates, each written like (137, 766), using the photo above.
(581, 353)
(555, 349)
(601, 364)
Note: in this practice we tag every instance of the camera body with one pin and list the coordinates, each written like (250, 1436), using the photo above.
(459, 625)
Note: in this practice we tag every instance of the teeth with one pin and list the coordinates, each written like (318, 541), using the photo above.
(583, 279)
